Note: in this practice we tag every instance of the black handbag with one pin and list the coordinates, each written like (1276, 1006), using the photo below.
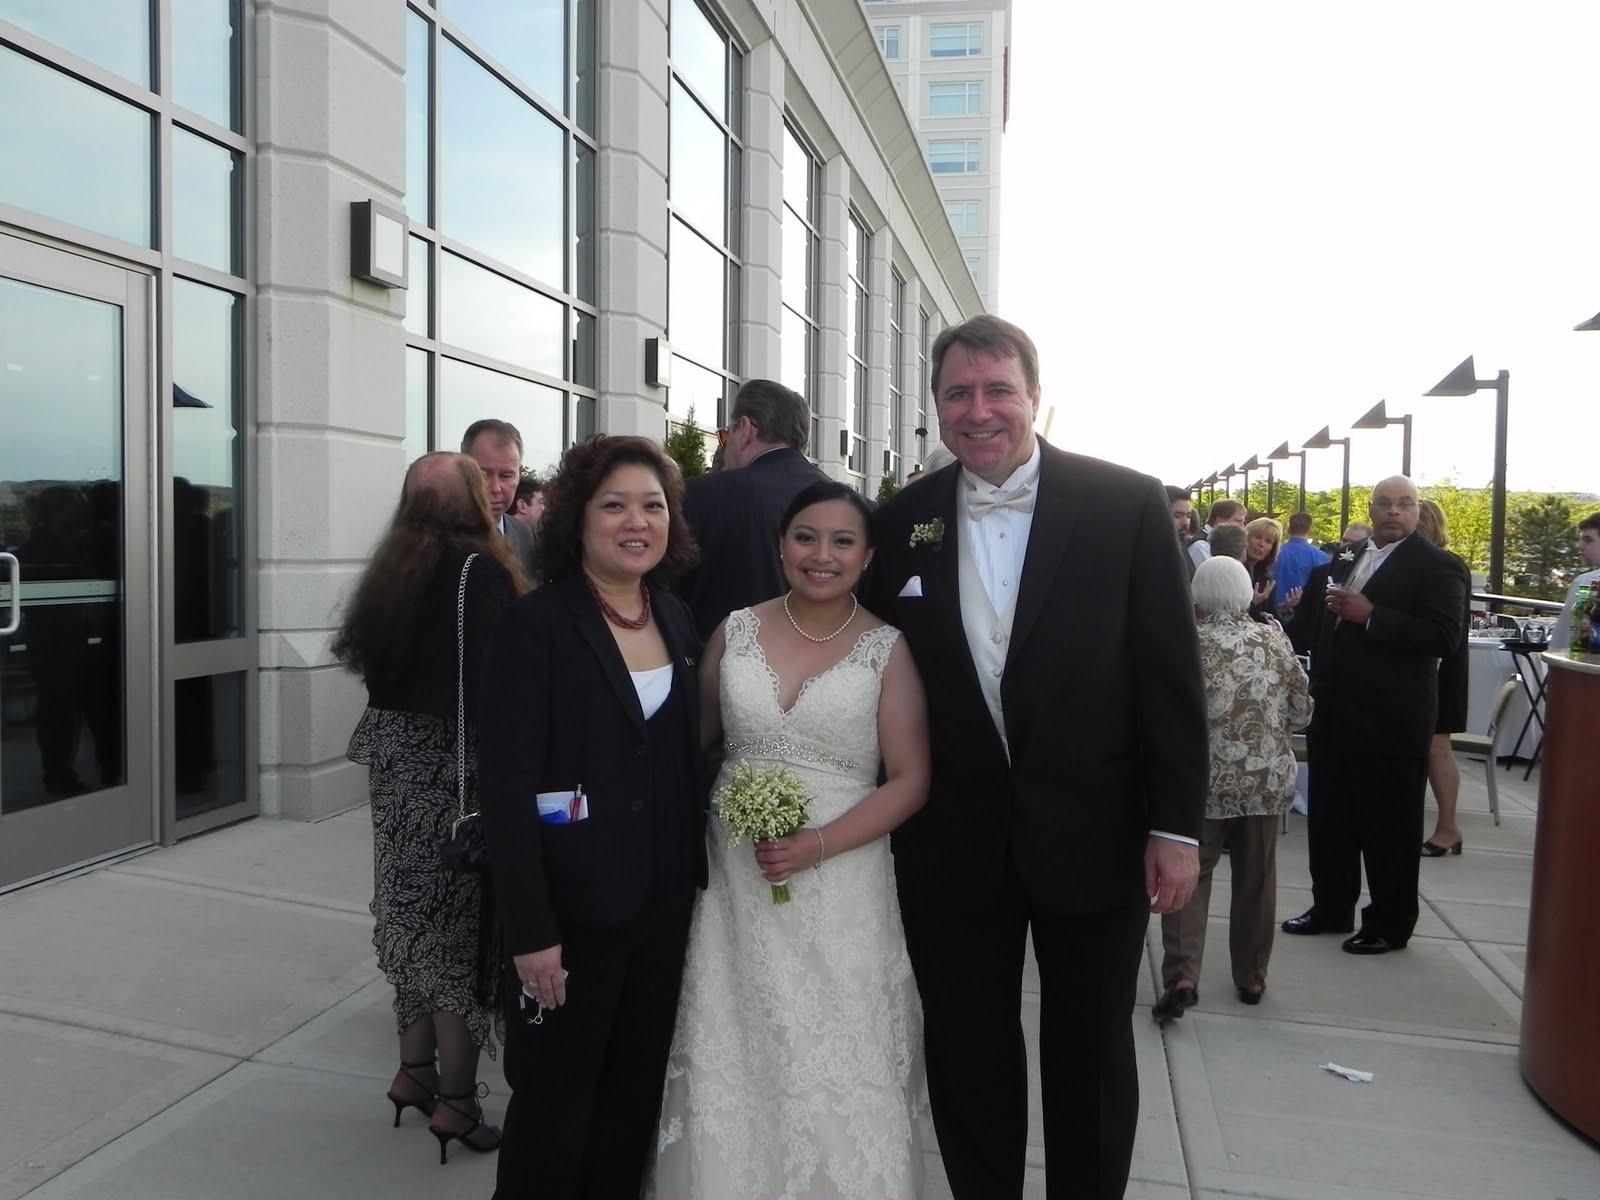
(463, 851)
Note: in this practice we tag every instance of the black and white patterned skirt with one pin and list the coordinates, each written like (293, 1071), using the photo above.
(435, 932)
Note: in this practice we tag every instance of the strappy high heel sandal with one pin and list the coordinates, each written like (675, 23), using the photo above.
(426, 1106)
(488, 1136)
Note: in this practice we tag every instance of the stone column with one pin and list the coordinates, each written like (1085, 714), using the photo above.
(833, 370)
(631, 187)
(916, 384)
(763, 230)
(330, 381)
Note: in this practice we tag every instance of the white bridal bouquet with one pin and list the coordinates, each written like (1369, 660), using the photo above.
(762, 805)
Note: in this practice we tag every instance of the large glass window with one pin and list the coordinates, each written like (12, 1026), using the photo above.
(206, 195)
(966, 216)
(114, 34)
(975, 267)
(859, 287)
(897, 372)
(704, 189)
(207, 468)
(888, 40)
(801, 303)
(205, 60)
(963, 40)
(503, 252)
(963, 98)
(73, 152)
(955, 156)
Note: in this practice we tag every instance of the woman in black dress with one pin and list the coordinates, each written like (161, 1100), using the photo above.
(594, 810)
(433, 937)
(1263, 536)
(1444, 776)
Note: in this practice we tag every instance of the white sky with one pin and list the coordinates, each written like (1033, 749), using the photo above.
(1228, 224)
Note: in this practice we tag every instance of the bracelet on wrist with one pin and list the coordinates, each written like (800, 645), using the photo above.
(822, 849)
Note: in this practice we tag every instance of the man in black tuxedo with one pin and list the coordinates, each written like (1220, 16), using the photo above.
(735, 512)
(1376, 621)
(496, 447)
(1045, 600)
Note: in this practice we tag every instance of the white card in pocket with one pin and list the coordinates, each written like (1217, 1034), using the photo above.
(913, 587)
(563, 808)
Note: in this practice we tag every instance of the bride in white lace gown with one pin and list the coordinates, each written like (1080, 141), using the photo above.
(796, 1065)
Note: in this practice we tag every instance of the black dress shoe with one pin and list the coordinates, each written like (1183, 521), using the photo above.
(1174, 1001)
(1311, 922)
(1246, 996)
(1369, 943)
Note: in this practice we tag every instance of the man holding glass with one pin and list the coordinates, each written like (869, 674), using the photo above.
(1376, 621)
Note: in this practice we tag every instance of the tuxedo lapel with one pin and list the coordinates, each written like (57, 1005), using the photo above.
(591, 623)
(1392, 570)
(940, 566)
(1055, 516)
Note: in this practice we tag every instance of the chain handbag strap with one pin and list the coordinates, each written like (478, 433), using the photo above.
(461, 700)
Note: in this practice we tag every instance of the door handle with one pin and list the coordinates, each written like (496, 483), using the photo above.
(14, 622)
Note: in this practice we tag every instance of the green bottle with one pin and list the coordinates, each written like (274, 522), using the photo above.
(1583, 631)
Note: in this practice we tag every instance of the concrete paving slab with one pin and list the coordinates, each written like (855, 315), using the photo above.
(1430, 987)
(1479, 832)
(265, 1132)
(357, 1036)
(1442, 1119)
(1484, 876)
(1503, 923)
(195, 967)
(1507, 962)
(328, 864)
(69, 1091)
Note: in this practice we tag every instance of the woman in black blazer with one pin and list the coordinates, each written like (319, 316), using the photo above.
(593, 796)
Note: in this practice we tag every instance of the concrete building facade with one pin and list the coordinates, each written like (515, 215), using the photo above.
(207, 399)
(951, 62)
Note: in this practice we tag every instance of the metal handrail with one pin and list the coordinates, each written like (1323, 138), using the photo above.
(15, 623)
(1496, 601)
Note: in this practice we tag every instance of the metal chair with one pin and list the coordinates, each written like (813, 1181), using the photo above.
(1486, 744)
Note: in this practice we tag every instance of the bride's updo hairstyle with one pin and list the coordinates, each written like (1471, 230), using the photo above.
(820, 493)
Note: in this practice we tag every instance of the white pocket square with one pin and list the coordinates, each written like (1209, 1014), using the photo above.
(913, 586)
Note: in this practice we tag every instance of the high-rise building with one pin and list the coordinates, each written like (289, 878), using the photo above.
(255, 258)
(951, 63)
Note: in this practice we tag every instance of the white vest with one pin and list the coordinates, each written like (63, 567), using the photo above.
(988, 633)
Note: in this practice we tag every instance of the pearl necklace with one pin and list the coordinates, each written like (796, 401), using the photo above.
(855, 606)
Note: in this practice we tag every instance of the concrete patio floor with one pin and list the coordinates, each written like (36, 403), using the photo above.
(207, 1021)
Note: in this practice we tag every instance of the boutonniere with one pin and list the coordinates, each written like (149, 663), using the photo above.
(1347, 556)
(929, 533)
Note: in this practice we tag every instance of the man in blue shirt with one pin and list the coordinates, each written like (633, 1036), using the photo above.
(1297, 558)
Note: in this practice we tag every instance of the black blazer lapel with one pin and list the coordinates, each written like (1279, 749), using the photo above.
(941, 566)
(1055, 515)
(591, 623)
(680, 645)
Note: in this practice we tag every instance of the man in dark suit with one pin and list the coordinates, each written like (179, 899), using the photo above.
(1375, 620)
(496, 447)
(735, 511)
(1046, 603)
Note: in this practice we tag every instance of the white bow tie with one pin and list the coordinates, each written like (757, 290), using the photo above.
(981, 504)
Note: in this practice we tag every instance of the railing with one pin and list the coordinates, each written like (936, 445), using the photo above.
(1497, 602)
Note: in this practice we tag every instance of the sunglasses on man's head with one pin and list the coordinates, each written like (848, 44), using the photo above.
(722, 436)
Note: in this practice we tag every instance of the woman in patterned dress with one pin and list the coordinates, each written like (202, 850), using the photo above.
(1257, 693)
(433, 935)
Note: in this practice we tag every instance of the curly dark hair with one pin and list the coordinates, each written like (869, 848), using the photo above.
(443, 516)
(566, 497)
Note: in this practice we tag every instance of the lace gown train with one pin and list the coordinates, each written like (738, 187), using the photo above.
(796, 1065)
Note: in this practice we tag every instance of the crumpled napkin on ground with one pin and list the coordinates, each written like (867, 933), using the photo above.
(1350, 1073)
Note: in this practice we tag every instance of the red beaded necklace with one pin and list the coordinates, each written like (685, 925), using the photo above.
(612, 615)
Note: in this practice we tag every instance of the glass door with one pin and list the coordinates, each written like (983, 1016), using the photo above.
(77, 528)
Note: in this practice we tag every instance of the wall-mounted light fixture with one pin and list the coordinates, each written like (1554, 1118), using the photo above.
(657, 362)
(378, 244)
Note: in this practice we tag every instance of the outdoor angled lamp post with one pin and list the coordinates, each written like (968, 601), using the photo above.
(1284, 454)
(1254, 465)
(1321, 441)
(1210, 483)
(1379, 419)
(1464, 381)
(1226, 476)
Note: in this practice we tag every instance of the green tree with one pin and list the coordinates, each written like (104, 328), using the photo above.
(1468, 512)
(686, 443)
(888, 489)
(1542, 545)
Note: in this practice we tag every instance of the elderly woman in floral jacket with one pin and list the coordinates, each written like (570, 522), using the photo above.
(1256, 695)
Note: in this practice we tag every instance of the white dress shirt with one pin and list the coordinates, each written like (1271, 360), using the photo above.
(1561, 636)
(999, 542)
(1371, 558)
